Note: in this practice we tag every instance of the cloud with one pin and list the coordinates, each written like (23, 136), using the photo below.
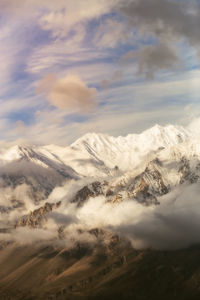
(194, 126)
(24, 235)
(21, 128)
(125, 107)
(173, 224)
(85, 52)
(69, 92)
(133, 22)
(116, 76)
(151, 59)
(71, 13)
(164, 23)
(62, 219)
(164, 19)
(61, 16)
(111, 33)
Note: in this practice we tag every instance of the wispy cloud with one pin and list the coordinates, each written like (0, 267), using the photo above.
(104, 49)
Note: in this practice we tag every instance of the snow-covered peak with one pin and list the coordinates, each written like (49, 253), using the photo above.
(13, 153)
(150, 163)
(97, 154)
(90, 138)
(127, 152)
(166, 134)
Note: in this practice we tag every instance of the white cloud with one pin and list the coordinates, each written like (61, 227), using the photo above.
(58, 55)
(25, 235)
(60, 22)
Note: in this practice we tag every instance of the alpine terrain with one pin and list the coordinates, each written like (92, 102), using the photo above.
(104, 218)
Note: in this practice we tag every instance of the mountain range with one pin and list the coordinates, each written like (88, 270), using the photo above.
(142, 167)
(101, 209)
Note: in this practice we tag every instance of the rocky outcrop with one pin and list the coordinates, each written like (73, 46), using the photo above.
(143, 195)
(38, 217)
(92, 190)
(144, 188)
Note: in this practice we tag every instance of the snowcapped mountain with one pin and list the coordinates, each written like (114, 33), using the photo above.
(99, 151)
(94, 201)
(142, 167)
(128, 152)
(27, 175)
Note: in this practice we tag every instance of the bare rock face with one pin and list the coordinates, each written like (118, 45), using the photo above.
(38, 217)
(143, 195)
(92, 190)
(153, 178)
(144, 188)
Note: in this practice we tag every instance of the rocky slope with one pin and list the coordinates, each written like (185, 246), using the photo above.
(38, 217)
(84, 273)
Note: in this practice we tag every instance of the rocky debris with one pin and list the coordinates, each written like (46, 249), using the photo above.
(38, 217)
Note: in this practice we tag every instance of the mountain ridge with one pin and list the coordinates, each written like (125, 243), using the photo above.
(100, 215)
(96, 157)
(102, 147)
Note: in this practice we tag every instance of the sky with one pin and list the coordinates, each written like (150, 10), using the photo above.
(110, 66)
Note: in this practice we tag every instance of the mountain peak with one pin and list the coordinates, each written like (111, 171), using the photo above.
(98, 153)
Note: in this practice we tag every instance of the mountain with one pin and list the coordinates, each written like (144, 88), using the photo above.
(38, 170)
(142, 167)
(98, 154)
(26, 173)
(127, 152)
(101, 214)
(113, 272)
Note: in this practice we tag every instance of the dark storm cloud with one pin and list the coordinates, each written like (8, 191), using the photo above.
(153, 58)
(164, 18)
(168, 23)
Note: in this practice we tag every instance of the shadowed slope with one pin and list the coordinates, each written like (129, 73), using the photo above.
(82, 273)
